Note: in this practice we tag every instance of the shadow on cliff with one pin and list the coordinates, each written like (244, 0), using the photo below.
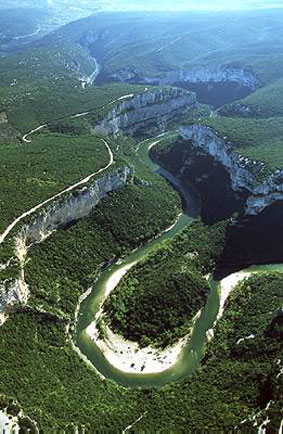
(254, 239)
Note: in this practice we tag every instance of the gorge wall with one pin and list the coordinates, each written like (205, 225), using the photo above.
(148, 113)
(231, 187)
(78, 205)
(215, 85)
(74, 206)
(244, 174)
(217, 74)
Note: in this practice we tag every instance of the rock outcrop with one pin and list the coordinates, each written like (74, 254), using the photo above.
(150, 112)
(12, 293)
(239, 109)
(216, 74)
(242, 171)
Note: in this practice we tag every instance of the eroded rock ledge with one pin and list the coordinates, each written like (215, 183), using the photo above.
(149, 112)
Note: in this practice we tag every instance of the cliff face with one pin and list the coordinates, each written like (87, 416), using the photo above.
(78, 205)
(151, 111)
(228, 184)
(215, 74)
(12, 293)
(242, 171)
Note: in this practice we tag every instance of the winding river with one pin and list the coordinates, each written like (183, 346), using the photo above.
(193, 351)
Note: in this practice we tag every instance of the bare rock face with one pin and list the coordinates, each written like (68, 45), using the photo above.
(76, 206)
(148, 111)
(216, 74)
(12, 294)
(79, 204)
(242, 171)
(233, 187)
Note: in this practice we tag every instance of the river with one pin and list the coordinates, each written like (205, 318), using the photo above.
(193, 352)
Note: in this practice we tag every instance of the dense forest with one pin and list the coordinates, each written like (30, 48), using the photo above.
(258, 139)
(48, 79)
(61, 391)
(46, 84)
(157, 300)
(240, 381)
(58, 271)
(28, 174)
(61, 269)
(266, 102)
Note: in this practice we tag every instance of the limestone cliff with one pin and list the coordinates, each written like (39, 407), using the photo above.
(72, 207)
(150, 111)
(232, 187)
(78, 205)
(12, 293)
(217, 74)
(242, 171)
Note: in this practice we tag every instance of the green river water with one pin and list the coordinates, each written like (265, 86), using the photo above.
(193, 351)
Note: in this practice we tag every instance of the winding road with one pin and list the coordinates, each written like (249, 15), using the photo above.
(68, 189)
(192, 353)
(29, 35)
(26, 139)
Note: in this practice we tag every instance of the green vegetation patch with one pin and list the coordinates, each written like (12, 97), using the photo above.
(257, 302)
(257, 139)
(62, 98)
(236, 381)
(44, 84)
(268, 99)
(8, 134)
(62, 268)
(265, 102)
(57, 389)
(32, 172)
(157, 300)
(249, 339)
(53, 385)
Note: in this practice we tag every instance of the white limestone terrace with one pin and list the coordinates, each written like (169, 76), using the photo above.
(242, 171)
(12, 293)
(213, 73)
(10, 423)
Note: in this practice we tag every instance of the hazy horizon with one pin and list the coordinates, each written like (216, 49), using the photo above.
(151, 5)
(201, 5)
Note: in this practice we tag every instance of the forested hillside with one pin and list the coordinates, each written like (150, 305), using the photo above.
(141, 209)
